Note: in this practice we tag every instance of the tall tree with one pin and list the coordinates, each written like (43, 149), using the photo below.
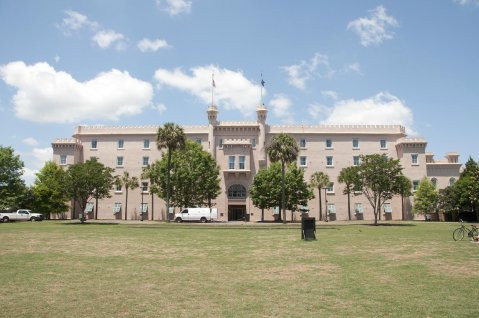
(448, 200)
(130, 183)
(425, 198)
(170, 137)
(152, 173)
(298, 192)
(405, 190)
(266, 188)
(465, 188)
(49, 190)
(88, 180)
(194, 177)
(319, 180)
(378, 179)
(348, 176)
(11, 183)
(283, 148)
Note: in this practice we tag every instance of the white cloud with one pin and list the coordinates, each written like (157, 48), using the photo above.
(330, 94)
(174, 7)
(30, 141)
(354, 67)
(318, 66)
(46, 95)
(105, 38)
(74, 21)
(42, 155)
(375, 29)
(147, 45)
(161, 108)
(281, 106)
(29, 175)
(233, 90)
(381, 109)
(467, 2)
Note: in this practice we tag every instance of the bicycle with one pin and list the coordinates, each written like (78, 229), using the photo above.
(460, 232)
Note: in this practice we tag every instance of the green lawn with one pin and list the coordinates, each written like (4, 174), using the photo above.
(62, 269)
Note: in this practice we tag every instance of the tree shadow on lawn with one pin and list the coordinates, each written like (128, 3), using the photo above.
(390, 224)
(89, 223)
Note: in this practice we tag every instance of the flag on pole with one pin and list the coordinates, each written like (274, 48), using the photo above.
(262, 82)
(213, 80)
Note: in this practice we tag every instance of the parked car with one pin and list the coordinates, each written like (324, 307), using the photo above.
(197, 214)
(20, 215)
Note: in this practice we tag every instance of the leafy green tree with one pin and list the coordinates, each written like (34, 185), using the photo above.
(348, 176)
(194, 177)
(378, 179)
(283, 148)
(298, 192)
(152, 173)
(130, 183)
(405, 190)
(11, 183)
(425, 198)
(448, 199)
(170, 137)
(266, 188)
(49, 190)
(88, 180)
(319, 180)
(465, 186)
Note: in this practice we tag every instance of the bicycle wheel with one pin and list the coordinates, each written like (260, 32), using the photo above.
(458, 234)
(474, 232)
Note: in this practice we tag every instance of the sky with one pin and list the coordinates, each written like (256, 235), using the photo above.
(66, 63)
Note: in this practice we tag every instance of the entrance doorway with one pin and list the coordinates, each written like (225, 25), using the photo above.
(237, 213)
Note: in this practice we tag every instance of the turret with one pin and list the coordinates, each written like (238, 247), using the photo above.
(212, 122)
(262, 112)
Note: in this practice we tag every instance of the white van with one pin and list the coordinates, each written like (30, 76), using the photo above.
(197, 214)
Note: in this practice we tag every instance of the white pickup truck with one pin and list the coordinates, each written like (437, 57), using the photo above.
(21, 215)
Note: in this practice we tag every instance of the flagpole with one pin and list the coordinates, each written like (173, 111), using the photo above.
(212, 87)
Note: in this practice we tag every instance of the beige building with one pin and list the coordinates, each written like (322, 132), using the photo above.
(240, 151)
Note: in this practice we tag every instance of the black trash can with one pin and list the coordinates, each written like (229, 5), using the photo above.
(308, 228)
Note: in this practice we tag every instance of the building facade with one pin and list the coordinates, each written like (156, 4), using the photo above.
(240, 151)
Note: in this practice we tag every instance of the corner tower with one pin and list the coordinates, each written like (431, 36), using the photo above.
(212, 122)
(261, 111)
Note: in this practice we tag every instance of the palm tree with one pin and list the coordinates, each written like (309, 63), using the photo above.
(129, 183)
(319, 180)
(283, 148)
(152, 173)
(348, 176)
(170, 137)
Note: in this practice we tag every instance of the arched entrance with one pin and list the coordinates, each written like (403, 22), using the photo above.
(237, 203)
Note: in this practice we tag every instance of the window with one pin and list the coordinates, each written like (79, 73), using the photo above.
(387, 208)
(146, 161)
(221, 143)
(329, 143)
(452, 181)
(241, 162)
(302, 161)
(356, 160)
(144, 187)
(383, 144)
(117, 208)
(231, 163)
(89, 207)
(329, 161)
(236, 191)
(434, 182)
(118, 188)
(330, 188)
(414, 160)
(253, 142)
(146, 143)
(355, 143)
(119, 161)
(143, 207)
(121, 143)
(415, 185)
(93, 144)
(358, 208)
(63, 159)
(302, 143)
(93, 158)
(198, 141)
(331, 208)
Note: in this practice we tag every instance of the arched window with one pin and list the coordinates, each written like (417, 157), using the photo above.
(434, 182)
(451, 181)
(236, 191)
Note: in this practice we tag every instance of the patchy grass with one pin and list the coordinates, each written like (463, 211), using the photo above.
(54, 269)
